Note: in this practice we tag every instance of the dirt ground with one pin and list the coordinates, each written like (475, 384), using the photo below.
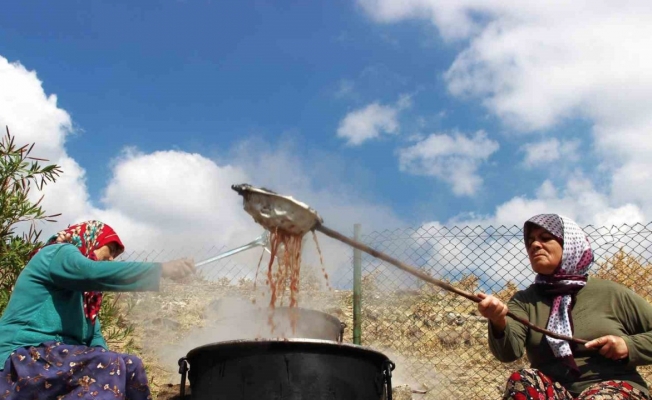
(172, 392)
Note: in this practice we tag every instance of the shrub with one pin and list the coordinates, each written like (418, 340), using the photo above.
(19, 173)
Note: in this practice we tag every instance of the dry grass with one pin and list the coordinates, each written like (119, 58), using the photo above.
(436, 339)
(635, 274)
(629, 271)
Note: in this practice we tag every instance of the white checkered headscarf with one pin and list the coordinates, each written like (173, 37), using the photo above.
(567, 279)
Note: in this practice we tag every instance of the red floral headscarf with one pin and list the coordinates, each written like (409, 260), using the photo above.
(87, 237)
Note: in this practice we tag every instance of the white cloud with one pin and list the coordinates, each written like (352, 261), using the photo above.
(181, 194)
(30, 113)
(548, 151)
(170, 204)
(371, 121)
(536, 65)
(451, 19)
(161, 199)
(32, 116)
(578, 200)
(453, 158)
(68, 195)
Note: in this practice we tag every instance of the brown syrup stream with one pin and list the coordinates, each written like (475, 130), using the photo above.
(321, 260)
(287, 272)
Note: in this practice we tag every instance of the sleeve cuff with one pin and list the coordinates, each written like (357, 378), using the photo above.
(633, 358)
(498, 337)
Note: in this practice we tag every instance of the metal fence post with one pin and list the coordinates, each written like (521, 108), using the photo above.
(357, 288)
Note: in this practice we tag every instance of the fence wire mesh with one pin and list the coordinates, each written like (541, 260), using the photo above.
(437, 339)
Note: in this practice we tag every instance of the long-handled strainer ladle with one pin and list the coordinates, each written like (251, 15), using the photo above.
(274, 211)
(262, 240)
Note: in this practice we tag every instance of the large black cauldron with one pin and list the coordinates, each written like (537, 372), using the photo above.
(292, 369)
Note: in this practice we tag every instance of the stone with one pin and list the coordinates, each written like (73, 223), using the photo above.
(402, 392)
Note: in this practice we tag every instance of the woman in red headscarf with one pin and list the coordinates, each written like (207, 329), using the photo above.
(567, 301)
(51, 343)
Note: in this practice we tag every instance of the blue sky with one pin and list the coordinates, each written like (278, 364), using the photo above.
(198, 76)
(393, 113)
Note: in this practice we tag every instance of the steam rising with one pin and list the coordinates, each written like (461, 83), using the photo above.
(238, 319)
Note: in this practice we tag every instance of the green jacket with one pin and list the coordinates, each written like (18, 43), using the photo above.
(47, 301)
(601, 308)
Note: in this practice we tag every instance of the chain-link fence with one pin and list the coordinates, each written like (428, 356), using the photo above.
(437, 339)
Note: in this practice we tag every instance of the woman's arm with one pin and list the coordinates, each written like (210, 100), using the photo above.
(509, 345)
(636, 316)
(70, 270)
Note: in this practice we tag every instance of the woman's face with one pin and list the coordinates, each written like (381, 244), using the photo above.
(545, 251)
(108, 252)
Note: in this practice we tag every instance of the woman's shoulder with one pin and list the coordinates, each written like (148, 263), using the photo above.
(38, 267)
(604, 284)
(528, 295)
(47, 254)
(52, 249)
(532, 291)
(606, 291)
(614, 293)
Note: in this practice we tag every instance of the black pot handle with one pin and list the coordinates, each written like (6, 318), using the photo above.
(342, 328)
(183, 370)
(388, 367)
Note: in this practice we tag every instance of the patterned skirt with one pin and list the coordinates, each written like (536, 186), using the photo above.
(531, 384)
(59, 371)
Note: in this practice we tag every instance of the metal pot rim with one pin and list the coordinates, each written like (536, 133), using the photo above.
(280, 345)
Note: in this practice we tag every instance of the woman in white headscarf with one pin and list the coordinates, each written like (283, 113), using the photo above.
(566, 301)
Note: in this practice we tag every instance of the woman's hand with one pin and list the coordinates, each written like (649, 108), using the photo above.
(613, 347)
(178, 269)
(493, 309)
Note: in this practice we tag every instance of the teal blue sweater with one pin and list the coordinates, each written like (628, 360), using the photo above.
(47, 301)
